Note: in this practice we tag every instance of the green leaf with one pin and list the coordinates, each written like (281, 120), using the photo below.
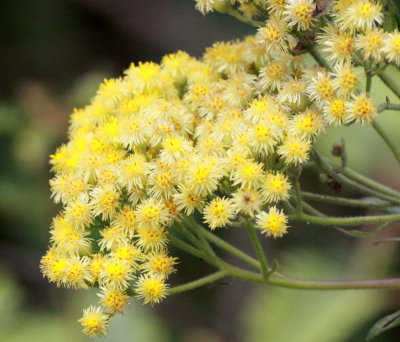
(385, 323)
(362, 233)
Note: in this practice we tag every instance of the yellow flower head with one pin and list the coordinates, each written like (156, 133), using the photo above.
(360, 15)
(300, 13)
(274, 35)
(218, 213)
(152, 213)
(307, 124)
(338, 44)
(113, 300)
(273, 75)
(335, 111)
(294, 150)
(77, 273)
(371, 45)
(346, 81)
(391, 48)
(275, 187)
(293, 94)
(188, 201)
(272, 223)
(116, 273)
(151, 288)
(151, 238)
(248, 175)
(105, 201)
(321, 88)
(160, 264)
(247, 202)
(361, 109)
(94, 321)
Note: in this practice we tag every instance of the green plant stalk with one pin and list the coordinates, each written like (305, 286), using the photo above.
(258, 249)
(346, 221)
(344, 201)
(191, 250)
(326, 167)
(371, 183)
(280, 280)
(191, 222)
(197, 283)
(310, 209)
(368, 82)
(368, 284)
(392, 85)
(293, 283)
(389, 142)
(288, 207)
(289, 282)
(313, 52)
(388, 106)
(229, 248)
(189, 236)
(354, 175)
(236, 14)
(299, 202)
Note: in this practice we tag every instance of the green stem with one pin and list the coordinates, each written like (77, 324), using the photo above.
(229, 248)
(388, 106)
(379, 69)
(279, 280)
(191, 250)
(192, 223)
(355, 182)
(293, 283)
(197, 283)
(235, 13)
(346, 221)
(371, 183)
(368, 284)
(314, 52)
(182, 229)
(299, 203)
(258, 249)
(288, 207)
(368, 82)
(312, 210)
(362, 203)
(389, 142)
(384, 76)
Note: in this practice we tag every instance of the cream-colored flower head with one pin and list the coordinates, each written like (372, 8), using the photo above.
(299, 13)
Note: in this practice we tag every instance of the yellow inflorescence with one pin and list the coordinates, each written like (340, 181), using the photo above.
(217, 137)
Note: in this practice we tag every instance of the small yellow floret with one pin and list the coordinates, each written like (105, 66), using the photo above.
(94, 321)
(295, 150)
(272, 223)
(300, 13)
(151, 289)
(114, 300)
(218, 213)
(361, 109)
(275, 187)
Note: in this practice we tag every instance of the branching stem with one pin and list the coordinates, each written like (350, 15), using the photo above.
(346, 221)
(258, 249)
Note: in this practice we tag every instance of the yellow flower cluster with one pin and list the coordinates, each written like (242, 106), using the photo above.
(214, 136)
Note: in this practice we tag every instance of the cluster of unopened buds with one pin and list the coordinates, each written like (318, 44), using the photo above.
(215, 141)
